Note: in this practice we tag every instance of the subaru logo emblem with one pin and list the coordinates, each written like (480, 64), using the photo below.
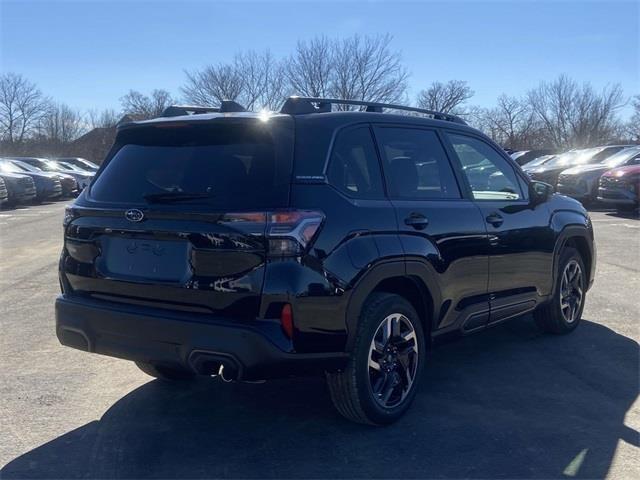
(134, 215)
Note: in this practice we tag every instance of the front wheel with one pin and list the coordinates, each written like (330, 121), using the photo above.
(380, 380)
(563, 313)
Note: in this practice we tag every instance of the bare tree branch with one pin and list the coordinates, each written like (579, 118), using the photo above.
(22, 104)
(213, 84)
(146, 106)
(105, 119)
(60, 124)
(310, 68)
(632, 128)
(445, 97)
(365, 68)
(576, 115)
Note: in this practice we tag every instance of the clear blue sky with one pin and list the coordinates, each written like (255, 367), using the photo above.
(88, 54)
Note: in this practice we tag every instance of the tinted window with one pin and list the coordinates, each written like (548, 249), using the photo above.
(234, 167)
(490, 176)
(416, 165)
(354, 167)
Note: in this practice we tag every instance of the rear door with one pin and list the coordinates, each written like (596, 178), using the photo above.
(521, 240)
(442, 233)
(178, 217)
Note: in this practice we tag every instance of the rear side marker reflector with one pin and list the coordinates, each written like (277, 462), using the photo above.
(286, 320)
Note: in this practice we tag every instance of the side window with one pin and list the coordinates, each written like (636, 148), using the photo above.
(490, 176)
(416, 165)
(354, 168)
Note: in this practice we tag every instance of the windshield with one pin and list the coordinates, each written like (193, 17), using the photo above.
(622, 157)
(18, 167)
(26, 166)
(32, 164)
(576, 157)
(88, 164)
(80, 163)
(538, 161)
(10, 168)
(56, 166)
(70, 167)
(231, 167)
(45, 165)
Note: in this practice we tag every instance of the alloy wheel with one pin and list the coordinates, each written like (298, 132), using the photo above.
(393, 360)
(571, 291)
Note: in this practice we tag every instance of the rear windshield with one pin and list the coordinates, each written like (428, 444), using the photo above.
(236, 166)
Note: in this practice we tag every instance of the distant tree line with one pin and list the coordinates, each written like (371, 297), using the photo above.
(560, 114)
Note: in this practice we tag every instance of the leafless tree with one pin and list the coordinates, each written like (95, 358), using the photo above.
(366, 68)
(633, 126)
(574, 115)
(213, 84)
(146, 106)
(60, 124)
(106, 118)
(22, 105)
(264, 80)
(310, 68)
(447, 97)
(359, 68)
(255, 80)
(513, 124)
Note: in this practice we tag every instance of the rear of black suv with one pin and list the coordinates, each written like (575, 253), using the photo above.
(166, 255)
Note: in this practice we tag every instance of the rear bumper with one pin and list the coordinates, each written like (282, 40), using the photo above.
(251, 350)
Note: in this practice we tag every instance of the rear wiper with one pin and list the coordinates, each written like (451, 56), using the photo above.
(167, 197)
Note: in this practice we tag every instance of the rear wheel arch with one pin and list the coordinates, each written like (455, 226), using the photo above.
(391, 277)
(415, 292)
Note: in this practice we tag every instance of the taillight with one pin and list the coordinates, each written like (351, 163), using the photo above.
(286, 320)
(69, 215)
(288, 232)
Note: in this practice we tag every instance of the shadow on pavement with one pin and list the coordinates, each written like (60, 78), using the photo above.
(627, 215)
(507, 403)
(612, 212)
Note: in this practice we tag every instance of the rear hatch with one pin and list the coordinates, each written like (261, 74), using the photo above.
(178, 216)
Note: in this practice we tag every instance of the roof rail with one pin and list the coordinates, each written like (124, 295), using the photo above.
(225, 106)
(301, 105)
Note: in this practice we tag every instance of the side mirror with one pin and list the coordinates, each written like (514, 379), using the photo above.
(539, 192)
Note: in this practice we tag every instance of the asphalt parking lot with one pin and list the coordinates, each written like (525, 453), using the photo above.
(508, 403)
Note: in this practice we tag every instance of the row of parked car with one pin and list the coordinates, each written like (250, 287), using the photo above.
(607, 174)
(29, 179)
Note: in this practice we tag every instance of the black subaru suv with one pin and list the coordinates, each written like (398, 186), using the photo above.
(253, 246)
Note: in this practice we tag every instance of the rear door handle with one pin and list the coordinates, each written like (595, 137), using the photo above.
(417, 221)
(495, 219)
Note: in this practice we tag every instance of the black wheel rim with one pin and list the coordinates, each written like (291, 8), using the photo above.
(571, 291)
(393, 360)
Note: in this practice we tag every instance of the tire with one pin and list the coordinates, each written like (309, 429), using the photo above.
(352, 389)
(554, 316)
(165, 373)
